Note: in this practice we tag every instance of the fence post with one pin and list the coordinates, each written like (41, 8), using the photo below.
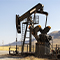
(56, 51)
(33, 48)
(9, 50)
(16, 46)
(27, 47)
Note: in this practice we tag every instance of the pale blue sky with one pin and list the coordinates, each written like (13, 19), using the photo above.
(9, 8)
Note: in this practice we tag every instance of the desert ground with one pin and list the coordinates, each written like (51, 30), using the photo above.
(4, 55)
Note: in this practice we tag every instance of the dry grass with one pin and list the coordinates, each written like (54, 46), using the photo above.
(6, 48)
(13, 48)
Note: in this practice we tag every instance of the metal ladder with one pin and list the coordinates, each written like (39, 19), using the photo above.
(23, 31)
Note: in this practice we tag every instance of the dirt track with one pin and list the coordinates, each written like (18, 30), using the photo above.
(5, 56)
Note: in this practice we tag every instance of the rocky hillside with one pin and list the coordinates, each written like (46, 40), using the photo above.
(55, 36)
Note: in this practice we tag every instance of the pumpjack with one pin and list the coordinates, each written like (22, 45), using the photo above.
(42, 39)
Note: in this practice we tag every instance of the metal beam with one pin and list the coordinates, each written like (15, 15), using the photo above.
(30, 41)
(31, 11)
(24, 38)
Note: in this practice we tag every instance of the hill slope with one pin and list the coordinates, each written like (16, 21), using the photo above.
(20, 43)
(55, 36)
